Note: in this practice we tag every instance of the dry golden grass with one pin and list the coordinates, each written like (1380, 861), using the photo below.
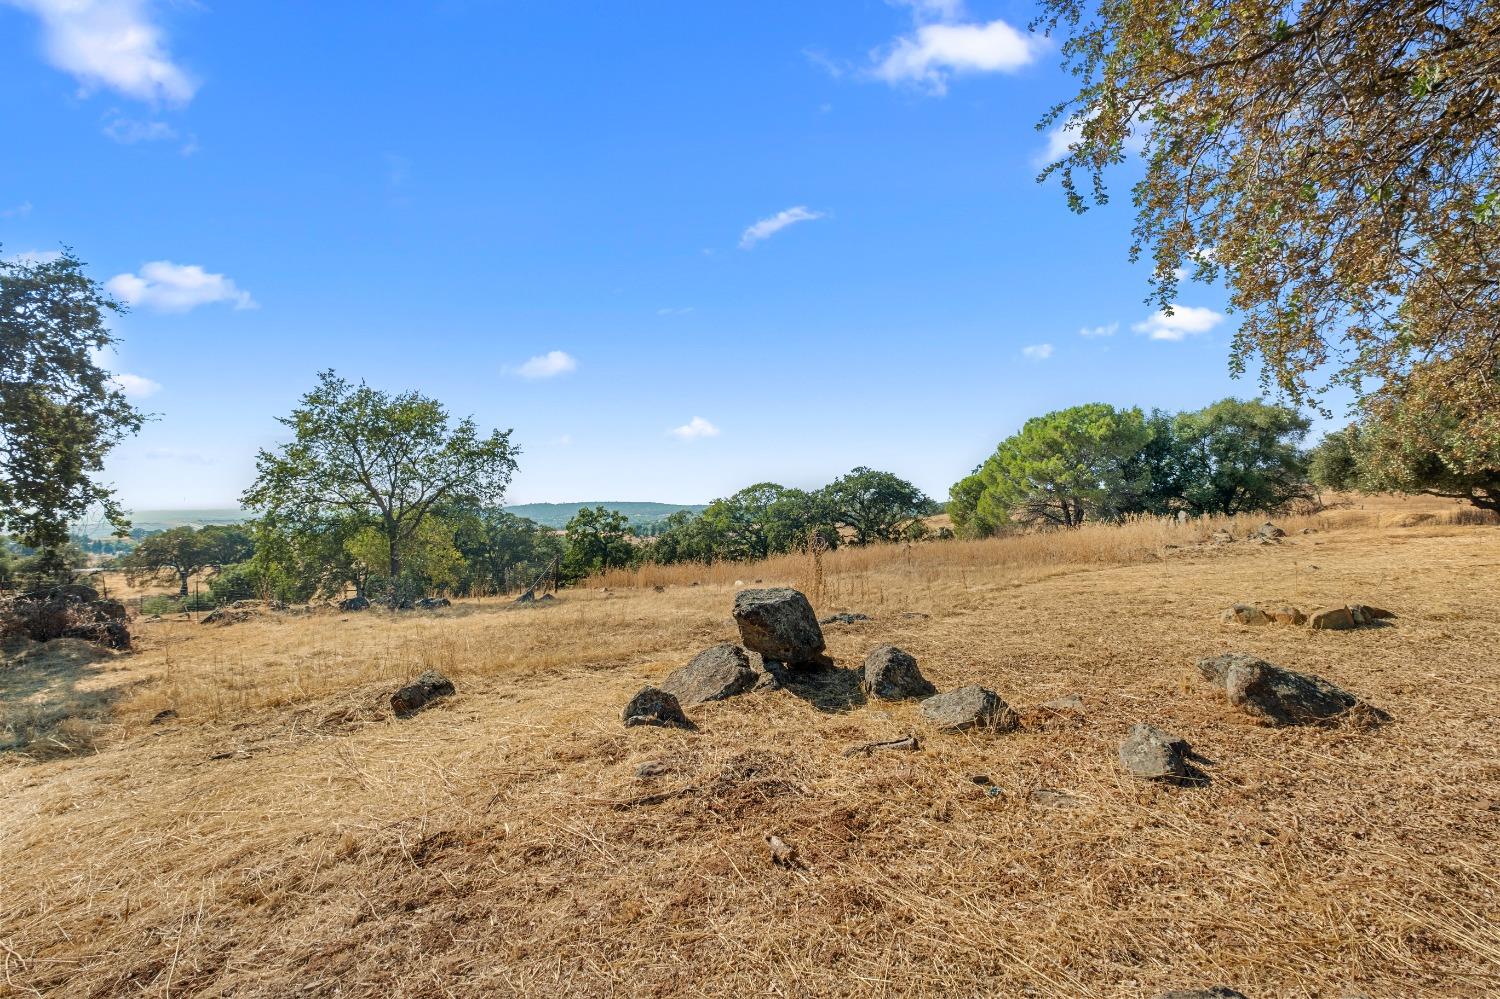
(285, 836)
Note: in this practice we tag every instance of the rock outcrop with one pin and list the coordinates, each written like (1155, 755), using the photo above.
(779, 623)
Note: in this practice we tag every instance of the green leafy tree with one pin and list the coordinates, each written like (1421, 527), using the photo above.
(430, 562)
(596, 540)
(1236, 457)
(874, 505)
(393, 459)
(1406, 451)
(60, 412)
(182, 551)
(1334, 165)
(1060, 470)
(501, 551)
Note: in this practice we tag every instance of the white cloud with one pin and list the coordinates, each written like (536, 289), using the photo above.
(135, 386)
(548, 365)
(935, 52)
(1185, 321)
(129, 131)
(34, 257)
(16, 211)
(564, 441)
(679, 311)
(179, 455)
(168, 287)
(695, 429)
(113, 44)
(1061, 138)
(1037, 351)
(932, 10)
(768, 227)
(1108, 329)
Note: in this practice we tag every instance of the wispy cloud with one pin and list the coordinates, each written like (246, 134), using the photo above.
(167, 287)
(178, 455)
(1185, 321)
(1108, 329)
(695, 429)
(681, 310)
(768, 227)
(135, 386)
(548, 365)
(129, 131)
(113, 44)
(1037, 351)
(16, 211)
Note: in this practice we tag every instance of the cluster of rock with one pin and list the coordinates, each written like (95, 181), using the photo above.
(70, 611)
(1270, 694)
(779, 632)
(1328, 619)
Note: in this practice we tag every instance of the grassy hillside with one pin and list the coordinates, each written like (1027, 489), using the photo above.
(284, 833)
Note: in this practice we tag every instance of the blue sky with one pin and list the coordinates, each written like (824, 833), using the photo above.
(678, 247)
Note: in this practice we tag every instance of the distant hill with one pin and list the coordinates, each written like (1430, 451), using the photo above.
(554, 515)
(557, 515)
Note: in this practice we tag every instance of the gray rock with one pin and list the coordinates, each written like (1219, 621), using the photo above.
(969, 708)
(713, 675)
(1152, 753)
(433, 603)
(843, 618)
(354, 604)
(653, 706)
(1214, 992)
(1333, 619)
(1364, 614)
(892, 675)
(780, 624)
(1270, 530)
(1286, 614)
(1275, 695)
(650, 769)
(421, 692)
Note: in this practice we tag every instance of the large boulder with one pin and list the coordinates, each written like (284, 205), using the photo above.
(1275, 695)
(969, 708)
(1245, 614)
(1153, 753)
(421, 692)
(713, 675)
(654, 706)
(354, 604)
(892, 675)
(780, 624)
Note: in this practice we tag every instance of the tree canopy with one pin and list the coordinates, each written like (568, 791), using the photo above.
(60, 412)
(178, 553)
(1333, 163)
(393, 459)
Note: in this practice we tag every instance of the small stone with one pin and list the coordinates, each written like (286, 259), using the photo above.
(1051, 797)
(1153, 753)
(654, 706)
(1333, 619)
(1068, 703)
(714, 674)
(892, 675)
(421, 692)
(1286, 614)
(1364, 614)
(843, 618)
(1270, 530)
(650, 769)
(163, 716)
(1244, 614)
(354, 604)
(1214, 992)
(969, 708)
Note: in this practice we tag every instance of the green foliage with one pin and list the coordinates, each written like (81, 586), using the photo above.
(500, 550)
(1237, 457)
(874, 505)
(182, 551)
(1094, 462)
(1409, 450)
(1060, 469)
(390, 460)
(60, 413)
(429, 563)
(595, 540)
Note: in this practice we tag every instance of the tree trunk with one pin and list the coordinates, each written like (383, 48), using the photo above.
(393, 540)
(182, 590)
